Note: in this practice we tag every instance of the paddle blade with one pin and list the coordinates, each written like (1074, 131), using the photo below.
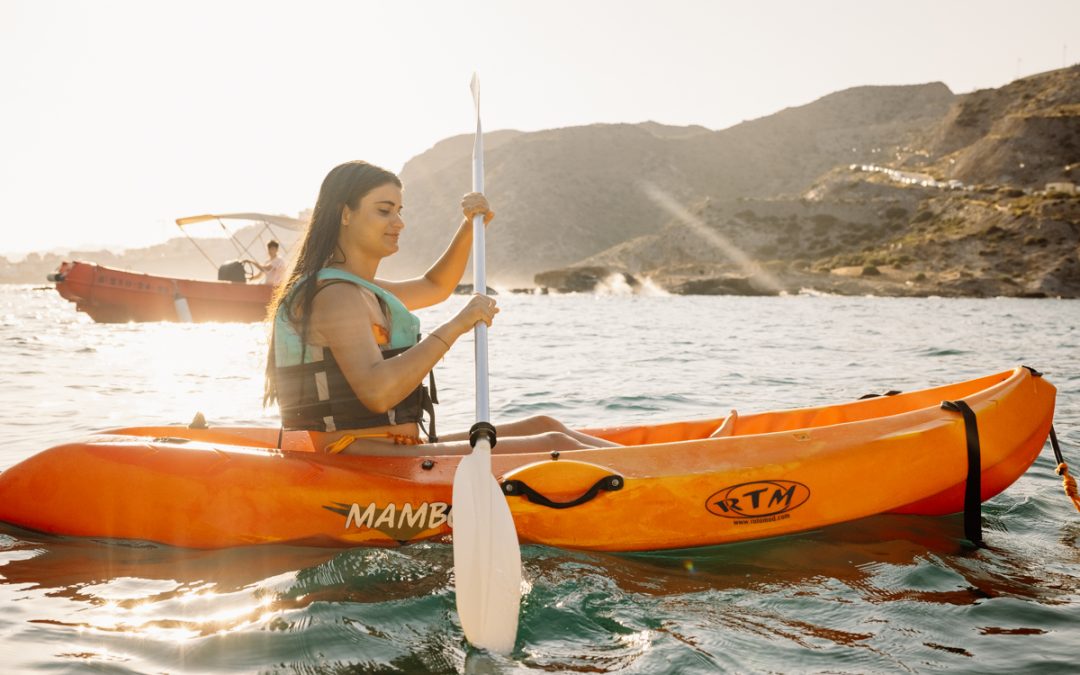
(474, 87)
(487, 559)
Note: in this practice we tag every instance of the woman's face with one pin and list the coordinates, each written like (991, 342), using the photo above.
(374, 226)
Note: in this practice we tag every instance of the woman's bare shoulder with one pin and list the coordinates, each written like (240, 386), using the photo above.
(343, 292)
(341, 304)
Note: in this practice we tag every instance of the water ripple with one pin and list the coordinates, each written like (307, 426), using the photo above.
(883, 594)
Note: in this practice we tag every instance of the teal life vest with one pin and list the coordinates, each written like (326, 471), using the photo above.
(312, 391)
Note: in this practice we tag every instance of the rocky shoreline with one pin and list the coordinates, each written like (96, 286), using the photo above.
(884, 281)
(856, 236)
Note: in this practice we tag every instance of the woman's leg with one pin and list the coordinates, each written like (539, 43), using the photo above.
(536, 426)
(544, 442)
(532, 434)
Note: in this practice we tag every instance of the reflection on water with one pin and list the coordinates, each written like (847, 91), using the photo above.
(862, 591)
(890, 593)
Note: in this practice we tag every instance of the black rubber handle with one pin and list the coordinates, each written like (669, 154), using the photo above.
(518, 488)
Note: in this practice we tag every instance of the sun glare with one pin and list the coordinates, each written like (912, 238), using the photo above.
(750, 267)
(167, 611)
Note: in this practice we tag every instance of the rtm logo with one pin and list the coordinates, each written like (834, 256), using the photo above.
(759, 499)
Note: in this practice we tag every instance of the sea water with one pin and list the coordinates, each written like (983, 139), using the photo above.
(889, 594)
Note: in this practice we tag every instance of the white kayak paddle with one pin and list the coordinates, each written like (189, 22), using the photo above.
(487, 558)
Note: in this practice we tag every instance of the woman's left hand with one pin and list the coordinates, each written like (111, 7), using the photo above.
(475, 203)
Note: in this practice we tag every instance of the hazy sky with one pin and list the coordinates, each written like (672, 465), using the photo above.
(116, 117)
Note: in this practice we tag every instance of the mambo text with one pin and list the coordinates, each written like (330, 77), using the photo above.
(394, 519)
(758, 499)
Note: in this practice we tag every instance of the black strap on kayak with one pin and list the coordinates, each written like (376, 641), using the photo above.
(973, 484)
(518, 488)
(1056, 446)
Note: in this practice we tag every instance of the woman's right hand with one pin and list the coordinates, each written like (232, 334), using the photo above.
(479, 308)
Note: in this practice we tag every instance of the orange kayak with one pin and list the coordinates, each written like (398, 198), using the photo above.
(668, 485)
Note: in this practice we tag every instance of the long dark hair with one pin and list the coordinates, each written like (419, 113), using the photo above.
(346, 184)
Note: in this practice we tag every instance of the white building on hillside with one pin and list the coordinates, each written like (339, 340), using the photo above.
(1063, 186)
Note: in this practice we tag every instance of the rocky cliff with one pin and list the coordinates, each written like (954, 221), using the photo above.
(565, 194)
(898, 190)
(958, 207)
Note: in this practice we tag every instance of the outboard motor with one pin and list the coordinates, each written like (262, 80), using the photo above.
(232, 270)
(61, 273)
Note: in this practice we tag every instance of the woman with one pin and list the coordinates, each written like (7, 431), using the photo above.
(346, 360)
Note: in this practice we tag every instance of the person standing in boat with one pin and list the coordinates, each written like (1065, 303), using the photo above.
(273, 272)
(346, 358)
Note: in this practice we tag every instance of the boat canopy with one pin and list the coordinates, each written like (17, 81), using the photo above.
(280, 221)
(243, 250)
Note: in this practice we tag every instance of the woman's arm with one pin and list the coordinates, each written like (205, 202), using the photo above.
(341, 319)
(256, 264)
(443, 277)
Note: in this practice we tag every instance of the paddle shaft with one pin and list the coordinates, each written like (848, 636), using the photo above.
(483, 411)
(487, 558)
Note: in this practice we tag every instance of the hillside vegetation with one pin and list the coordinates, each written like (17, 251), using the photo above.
(889, 190)
(893, 225)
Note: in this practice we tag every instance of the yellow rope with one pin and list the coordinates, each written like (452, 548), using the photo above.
(1070, 484)
(345, 441)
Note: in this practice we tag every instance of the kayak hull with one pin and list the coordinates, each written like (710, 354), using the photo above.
(667, 486)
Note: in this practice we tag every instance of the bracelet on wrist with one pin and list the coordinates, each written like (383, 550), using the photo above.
(440, 339)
